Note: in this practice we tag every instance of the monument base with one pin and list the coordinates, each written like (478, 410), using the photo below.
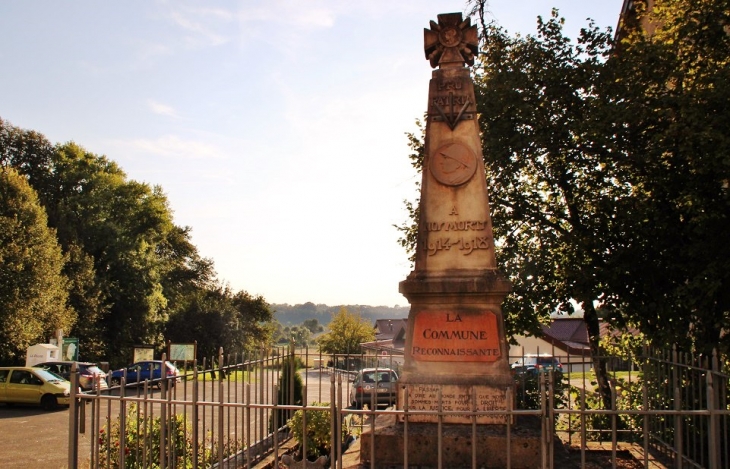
(456, 440)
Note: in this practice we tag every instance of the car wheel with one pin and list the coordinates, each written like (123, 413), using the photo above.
(49, 402)
(116, 381)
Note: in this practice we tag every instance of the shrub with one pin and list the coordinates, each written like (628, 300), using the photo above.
(141, 443)
(283, 396)
(317, 431)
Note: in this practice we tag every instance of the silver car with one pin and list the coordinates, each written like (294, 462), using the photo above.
(378, 383)
(89, 374)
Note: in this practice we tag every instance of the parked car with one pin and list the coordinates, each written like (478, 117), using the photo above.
(381, 383)
(533, 364)
(28, 385)
(147, 370)
(89, 373)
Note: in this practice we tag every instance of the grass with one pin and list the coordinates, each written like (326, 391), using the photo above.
(591, 376)
(237, 376)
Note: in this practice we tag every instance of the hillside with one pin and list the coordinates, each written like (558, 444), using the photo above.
(289, 315)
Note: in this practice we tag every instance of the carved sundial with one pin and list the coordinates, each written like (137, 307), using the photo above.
(451, 42)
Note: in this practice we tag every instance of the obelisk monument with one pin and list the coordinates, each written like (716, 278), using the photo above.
(455, 339)
(456, 369)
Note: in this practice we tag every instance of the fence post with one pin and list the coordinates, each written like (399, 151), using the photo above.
(677, 407)
(195, 411)
(73, 420)
(163, 412)
(543, 418)
(292, 370)
(645, 401)
(714, 429)
(122, 419)
(551, 417)
(334, 418)
(614, 424)
(220, 407)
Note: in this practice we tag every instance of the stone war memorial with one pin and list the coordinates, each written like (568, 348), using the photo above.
(456, 353)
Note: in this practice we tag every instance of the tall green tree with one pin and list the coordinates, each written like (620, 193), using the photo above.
(129, 265)
(120, 224)
(671, 92)
(216, 317)
(33, 289)
(346, 332)
(553, 186)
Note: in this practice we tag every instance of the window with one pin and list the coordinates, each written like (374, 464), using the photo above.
(20, 377)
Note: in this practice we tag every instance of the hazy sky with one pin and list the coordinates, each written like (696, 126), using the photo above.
(276, 128)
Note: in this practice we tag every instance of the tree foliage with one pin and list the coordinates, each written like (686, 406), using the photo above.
(555, 191)
(346, 332)
(609, 167)
(130, 269)
(33, 289)
(671, 90)
(217, 317)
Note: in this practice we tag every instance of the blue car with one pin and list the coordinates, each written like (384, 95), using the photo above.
(147, 370)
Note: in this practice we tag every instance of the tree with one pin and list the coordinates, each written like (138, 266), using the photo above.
(608, 171)
(216, 317)
(130, 267)
(671, 91)
(33, 289)
(313, 325)
(553, 186)
(346, 332)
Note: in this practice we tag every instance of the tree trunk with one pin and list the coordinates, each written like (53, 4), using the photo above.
(599, 362)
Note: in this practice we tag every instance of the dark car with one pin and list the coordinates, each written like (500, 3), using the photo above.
(533, 364)
(380, 383)
(89, 373)
(147, 370)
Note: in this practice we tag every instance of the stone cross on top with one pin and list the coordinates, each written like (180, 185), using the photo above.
(452, 42)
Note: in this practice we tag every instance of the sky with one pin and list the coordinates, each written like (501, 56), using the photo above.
(276, 128)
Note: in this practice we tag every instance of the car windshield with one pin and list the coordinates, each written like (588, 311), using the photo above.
(95, 370)
(48, 375)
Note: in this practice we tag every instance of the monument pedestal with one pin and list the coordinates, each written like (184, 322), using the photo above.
(488, 444)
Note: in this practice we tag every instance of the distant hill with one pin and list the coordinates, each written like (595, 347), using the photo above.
(290, 315)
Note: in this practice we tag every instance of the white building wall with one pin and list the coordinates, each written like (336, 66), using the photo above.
(537, 345)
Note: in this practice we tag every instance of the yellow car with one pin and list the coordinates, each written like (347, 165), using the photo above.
(26, 385)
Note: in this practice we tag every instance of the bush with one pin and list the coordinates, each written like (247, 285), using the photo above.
(527, 390)
(142, 442)
(283, 394)
(317, 432)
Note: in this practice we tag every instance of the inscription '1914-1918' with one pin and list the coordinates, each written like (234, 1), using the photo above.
(462, 244)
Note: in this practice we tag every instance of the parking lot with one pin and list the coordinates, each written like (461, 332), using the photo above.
(32, 437)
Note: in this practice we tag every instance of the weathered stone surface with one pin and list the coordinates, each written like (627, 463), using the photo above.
(458, 442)
(469, 400)
(455, 330)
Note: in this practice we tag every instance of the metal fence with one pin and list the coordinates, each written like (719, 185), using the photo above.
(663, 409)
